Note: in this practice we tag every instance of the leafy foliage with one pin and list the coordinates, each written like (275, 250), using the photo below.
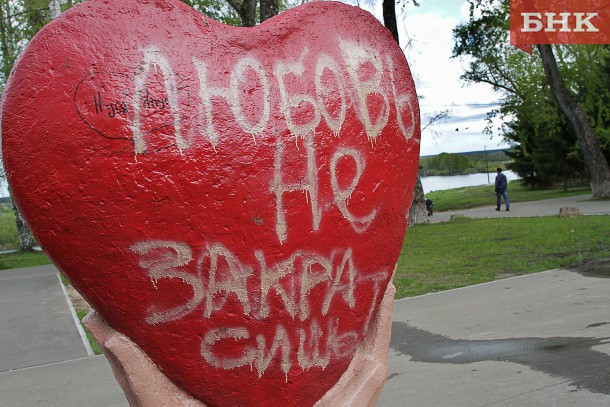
(545, 147)
(218, 10)
(241, 12)
(446, 164)
(20, 20)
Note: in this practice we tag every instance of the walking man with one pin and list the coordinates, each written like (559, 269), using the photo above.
(501, 186)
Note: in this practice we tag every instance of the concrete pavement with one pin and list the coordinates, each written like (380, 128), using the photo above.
(537, 340)
(43, 358)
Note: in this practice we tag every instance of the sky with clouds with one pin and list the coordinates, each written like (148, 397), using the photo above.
(426, 37)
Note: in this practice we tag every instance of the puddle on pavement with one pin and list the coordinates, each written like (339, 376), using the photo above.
(594, 268)
(567, 357)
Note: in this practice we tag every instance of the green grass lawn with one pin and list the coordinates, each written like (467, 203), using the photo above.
(23, 259)
(484, 195)
(442, 256)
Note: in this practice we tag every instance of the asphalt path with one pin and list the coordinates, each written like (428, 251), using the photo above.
(584, 203)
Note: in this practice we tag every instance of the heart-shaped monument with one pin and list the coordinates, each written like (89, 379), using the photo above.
(233, 200)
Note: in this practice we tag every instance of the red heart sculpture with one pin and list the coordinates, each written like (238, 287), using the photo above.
(233, 200)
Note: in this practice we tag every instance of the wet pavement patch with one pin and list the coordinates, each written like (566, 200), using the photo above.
(572, 358)
(594, 268)
(598, 324)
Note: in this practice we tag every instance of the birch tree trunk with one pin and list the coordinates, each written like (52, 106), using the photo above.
(54, 9)
(26, 240)
(8, 38)
(595, 162)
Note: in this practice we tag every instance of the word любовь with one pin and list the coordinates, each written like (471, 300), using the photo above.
(355, 56)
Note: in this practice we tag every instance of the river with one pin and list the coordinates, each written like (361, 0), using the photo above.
(435, 183)
(439, 183)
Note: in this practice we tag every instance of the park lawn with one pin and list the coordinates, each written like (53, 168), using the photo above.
(463, 252)
(20, 259)
(484, 195)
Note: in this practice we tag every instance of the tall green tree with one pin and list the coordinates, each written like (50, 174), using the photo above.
(10, 37)
(595, 162)
(19, 22)
(523, 79)
(544, 149)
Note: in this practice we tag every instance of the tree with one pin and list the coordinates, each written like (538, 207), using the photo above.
(246, 9)
(19, 21)
(484, 40)
(446, 164)
(218, 10)
(244, 13)
(389, 17)
(9, 38)
(595, 162)
(546, 151)
(268, 9)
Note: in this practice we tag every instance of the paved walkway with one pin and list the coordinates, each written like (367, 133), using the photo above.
(43, 358)
(538, 340)
(547, 207)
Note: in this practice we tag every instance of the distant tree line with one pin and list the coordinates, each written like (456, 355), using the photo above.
(464, 163)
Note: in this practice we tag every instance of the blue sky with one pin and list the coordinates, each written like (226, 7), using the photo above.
(426, 37)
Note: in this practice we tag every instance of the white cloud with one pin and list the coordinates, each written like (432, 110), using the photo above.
(427, 33)
(426, 36)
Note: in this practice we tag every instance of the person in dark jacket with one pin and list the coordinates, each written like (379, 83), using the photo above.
(501, 186)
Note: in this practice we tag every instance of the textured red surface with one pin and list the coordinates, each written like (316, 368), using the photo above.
(231, 199)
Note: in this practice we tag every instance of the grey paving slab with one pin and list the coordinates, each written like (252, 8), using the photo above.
(37, 326)
(73, 383)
